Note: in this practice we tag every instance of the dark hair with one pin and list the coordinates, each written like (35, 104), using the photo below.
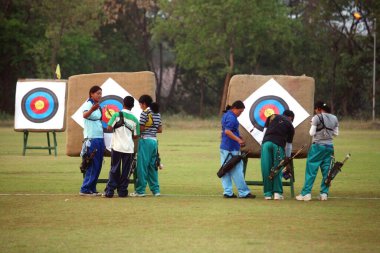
(238, 104)
(322, 105)
(146, 99)
(129, 102)
(155, 107)
(288, 113)
(93, 90)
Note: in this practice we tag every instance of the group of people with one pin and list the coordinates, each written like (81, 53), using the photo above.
(277, 146)
(126, 128)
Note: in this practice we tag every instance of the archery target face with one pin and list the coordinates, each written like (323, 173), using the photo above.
(265, 107)
(40, 105)
(110, 103)
(270, 98)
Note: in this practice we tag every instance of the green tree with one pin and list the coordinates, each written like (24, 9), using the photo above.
(337, 51)
(133, 20)
(209, 34)
(37, 34)
(67, 23)
(16, 36)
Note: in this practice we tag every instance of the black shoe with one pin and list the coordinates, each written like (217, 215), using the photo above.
(229, 197)
(249, 196)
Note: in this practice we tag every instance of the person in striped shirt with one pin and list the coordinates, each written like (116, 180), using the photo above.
(150, 125)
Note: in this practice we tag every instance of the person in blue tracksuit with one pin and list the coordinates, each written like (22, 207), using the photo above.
(230, 144)
(93, 141)
(324, 126)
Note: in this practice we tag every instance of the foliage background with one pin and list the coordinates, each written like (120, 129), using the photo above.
(195, 46)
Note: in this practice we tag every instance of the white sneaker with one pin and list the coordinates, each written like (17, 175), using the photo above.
(135, 194)
(89, 194)
(278, 196)
(157, 194)
(268, 198)
(306, 197)
(323, 197)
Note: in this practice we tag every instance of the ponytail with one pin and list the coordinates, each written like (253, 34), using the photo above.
(238, 104)
(323, 106)
(228, 107)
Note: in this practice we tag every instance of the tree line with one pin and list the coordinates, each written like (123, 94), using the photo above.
(194, 47)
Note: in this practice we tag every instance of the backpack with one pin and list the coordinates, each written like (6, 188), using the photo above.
(121, 123)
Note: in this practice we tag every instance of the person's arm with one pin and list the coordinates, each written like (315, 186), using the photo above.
(94, 107)
(289, 141)
(264, 131)
(136, 133)
(336, 131)
(111, 122)
(314, 122)
(143, 120)
(231, 135)
(288, 149)
(313, 130)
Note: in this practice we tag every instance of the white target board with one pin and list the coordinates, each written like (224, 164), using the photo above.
(40, 105)
(270, 98)
(110, 103)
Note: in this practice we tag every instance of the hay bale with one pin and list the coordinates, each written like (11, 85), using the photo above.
(301, 88)
(136, 83)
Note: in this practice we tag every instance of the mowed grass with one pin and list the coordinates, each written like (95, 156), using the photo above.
(41, 211)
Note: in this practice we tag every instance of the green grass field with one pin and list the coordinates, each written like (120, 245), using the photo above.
(41, 211)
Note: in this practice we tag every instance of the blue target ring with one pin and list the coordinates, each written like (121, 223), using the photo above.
(110, 104)
(264, 107)
(39, 105)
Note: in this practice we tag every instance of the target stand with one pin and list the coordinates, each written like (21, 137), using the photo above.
(289, 182)
(40, 108)
(49, 147)
(267, 95)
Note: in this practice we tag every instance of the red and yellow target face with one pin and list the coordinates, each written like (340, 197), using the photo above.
(110, 105)
(265, 107)
(108, 111)
(39, 105)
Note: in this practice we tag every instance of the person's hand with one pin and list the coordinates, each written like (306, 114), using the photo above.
(95, 106)
(241, 142)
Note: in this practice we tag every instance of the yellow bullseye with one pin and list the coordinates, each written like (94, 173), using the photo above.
(39, 105)
(109, 113)
(268, 112)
